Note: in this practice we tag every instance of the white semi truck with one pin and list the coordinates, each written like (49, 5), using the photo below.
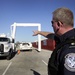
(6, 46)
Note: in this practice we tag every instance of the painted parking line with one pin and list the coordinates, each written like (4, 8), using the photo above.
(44, 62)
(7, 68)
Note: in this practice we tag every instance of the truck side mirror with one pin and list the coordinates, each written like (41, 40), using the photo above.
(13, 41)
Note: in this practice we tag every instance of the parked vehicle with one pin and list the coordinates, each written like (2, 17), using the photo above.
(25, 46)
(6, 48)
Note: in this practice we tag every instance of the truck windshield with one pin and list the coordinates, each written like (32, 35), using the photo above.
(3, 39)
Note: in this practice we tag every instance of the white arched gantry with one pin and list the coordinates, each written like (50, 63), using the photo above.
(13, 31)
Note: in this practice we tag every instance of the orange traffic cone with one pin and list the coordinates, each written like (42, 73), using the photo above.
(18, 52)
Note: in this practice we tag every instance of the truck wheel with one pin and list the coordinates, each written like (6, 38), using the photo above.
(10, 55)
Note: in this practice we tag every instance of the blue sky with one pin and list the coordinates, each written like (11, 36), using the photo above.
(29, 11)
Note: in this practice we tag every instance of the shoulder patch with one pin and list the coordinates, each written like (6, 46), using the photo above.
(70, 62)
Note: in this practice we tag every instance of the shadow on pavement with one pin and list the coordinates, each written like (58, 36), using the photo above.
(34, 72)
(5, 57)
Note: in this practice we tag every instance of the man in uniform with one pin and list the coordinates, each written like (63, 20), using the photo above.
(62, 60)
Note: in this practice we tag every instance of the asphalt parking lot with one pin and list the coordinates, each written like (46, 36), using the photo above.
(26, 63)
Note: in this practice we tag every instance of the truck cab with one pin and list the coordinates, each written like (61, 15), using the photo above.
(6, 48)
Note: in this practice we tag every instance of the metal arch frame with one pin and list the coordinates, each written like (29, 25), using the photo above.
(13, 31)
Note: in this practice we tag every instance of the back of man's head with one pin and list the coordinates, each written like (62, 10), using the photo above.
(64, 15)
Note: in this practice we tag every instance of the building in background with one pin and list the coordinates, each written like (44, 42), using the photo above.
(47, 44)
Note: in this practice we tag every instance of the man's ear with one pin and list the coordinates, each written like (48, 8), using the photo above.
(59, 23)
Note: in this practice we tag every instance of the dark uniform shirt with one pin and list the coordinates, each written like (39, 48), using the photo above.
(53, 37)
(66, 55)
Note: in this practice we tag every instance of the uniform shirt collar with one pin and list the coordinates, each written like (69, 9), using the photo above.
(67, 35)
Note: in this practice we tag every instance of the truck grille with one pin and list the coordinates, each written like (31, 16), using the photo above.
(1, 48)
